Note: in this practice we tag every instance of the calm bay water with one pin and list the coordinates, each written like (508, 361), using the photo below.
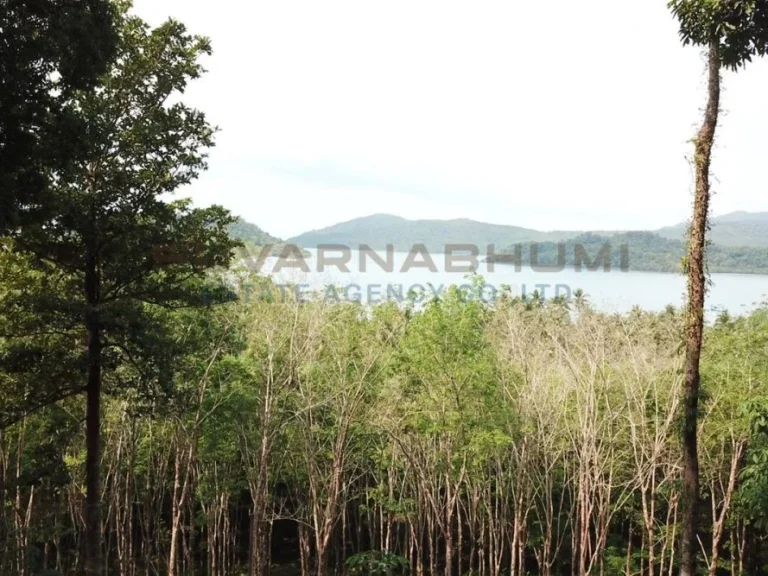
(613, 291)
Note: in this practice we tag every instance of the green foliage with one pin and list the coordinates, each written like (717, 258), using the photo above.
(377, 563)
(254, 239)
(740, 27)
(524, 423)
(247, 232)
(49, 49)
(646, 251)
(739, 242)
(498, 403)
(737, 229)
(734, 374)
(753, 492)
(380, 230)
(113, 248)
(447, 364)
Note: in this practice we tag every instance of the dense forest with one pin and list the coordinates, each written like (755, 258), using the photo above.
(457, 438)
(254, 240)
(247, 232)
(164, 411)
(735, 229)
(643, 251)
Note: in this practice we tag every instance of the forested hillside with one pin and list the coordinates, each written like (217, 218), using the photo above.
(740, 241)
(748, 229)
(380, 230)
(254, 239)
(643, 251)
(247, 232)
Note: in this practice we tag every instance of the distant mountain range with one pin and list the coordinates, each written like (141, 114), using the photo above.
(734, 229)
(748, 229)
(642, 251)
(380, 230)
(740, 239)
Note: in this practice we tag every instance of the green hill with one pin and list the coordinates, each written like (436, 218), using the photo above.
(254, 237)
(247, 232)
(379, 230)
(740, 240)
(735, 229)
(644, 251)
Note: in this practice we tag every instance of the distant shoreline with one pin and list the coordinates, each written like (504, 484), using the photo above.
(546, 263)
(499, 259)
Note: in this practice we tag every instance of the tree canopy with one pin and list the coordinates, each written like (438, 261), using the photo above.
(739, 27)
(49, 50)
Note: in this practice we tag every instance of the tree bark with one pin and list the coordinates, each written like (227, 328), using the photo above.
(175, 512)
(92, 422)
(695, 316)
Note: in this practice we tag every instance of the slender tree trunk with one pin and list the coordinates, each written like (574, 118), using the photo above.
(695, 317)
(5, 553)
(260, 528)
(19, 532)
(93, 421)
(720, 517)
(304, 549)
(175, 513)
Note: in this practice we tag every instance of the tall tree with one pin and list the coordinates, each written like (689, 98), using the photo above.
(732, 31)
(128, 252)
(48, 49)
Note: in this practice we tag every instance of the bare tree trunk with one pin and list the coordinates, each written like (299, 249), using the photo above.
(460, 540)
(175, 513)
(180, 493)
(93, 419)
(260, 528)
(628, 561)
(304, 549)
(695, 317)
(719, 518)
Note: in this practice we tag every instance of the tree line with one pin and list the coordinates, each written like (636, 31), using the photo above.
(456, 438)
(641, 251)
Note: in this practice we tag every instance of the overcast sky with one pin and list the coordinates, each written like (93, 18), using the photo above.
(549, 115)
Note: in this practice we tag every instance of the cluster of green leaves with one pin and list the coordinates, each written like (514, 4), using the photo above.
(377, 563)
(753, 492)
(740, 27)
(736, 350)
(50, 49)
(109, 223)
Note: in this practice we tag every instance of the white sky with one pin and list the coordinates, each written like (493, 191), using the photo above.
(549, 115)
